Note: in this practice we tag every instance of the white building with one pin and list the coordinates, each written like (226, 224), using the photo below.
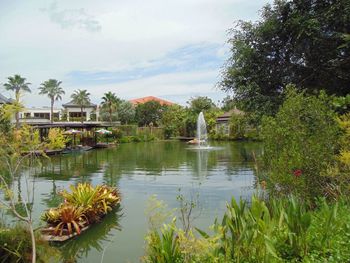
(43, 113)
(73, 111)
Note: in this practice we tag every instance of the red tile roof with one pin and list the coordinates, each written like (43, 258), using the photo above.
(150, 98)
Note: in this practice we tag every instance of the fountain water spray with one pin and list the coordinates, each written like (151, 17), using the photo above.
(202, 135)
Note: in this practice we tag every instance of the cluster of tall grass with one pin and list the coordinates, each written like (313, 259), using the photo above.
(284, 230)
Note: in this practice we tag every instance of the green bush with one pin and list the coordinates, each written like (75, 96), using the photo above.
(125, 139)
(117, 133)
(300, 142)
(16, 246)
(238, 126)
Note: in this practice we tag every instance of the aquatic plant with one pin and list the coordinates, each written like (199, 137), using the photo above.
(51, 216)
(85, 204)
(95, 201)
(70, 217)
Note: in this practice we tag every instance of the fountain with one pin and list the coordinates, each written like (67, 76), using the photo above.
(202, 136)
(201, 140)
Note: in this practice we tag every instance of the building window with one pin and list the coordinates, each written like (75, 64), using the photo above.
(42, 115)
(76, 114)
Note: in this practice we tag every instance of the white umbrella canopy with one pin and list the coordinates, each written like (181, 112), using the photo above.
(72, 131)
(103, 131)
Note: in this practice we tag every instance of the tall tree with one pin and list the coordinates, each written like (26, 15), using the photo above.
(201, 103)
(52, 89)
(81, 98)
(126, 112)
(110, 101)
(301, 42)
(149, 112)
(228, 103)
(17, 84)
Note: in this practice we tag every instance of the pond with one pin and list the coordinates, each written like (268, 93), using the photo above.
(140, 171)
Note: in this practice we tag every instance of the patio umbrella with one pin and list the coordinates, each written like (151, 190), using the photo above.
(103, 131)
(72, 131)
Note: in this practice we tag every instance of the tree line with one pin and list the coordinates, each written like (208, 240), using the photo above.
(176, 119)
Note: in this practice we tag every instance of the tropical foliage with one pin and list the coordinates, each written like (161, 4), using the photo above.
(110, 103)
(84, 205)
(82, 99)
(52, 89)
(56, 139)
(286, 230)
(17, 84)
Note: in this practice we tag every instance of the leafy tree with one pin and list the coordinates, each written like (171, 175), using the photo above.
(126, 112)
(201, 103)
(173, 120)
(17, 84)
(228, 103)
(300, 144)
(81, 98)
(52, 89)
(149, 112)
(301, 42)
(210, 119)
(196, 105)
(110, 102)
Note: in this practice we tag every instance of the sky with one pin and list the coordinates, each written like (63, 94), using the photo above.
(173, 49)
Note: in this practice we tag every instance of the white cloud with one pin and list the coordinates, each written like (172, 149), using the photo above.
(113, 35)
(68, 18)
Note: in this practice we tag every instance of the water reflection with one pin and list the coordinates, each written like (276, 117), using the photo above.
(93, 239)
(141, 170)
(155, 157)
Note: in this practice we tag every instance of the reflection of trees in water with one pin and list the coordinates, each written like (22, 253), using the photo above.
(155, 158)
(52, 199)
(94, 238)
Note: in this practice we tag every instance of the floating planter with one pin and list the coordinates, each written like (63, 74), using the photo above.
(82, 207)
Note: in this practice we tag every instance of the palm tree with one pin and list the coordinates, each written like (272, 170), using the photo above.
(110, 100)
(81, 98)
(17, 84)
(52, 89)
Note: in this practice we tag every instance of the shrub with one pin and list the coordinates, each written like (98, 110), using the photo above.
(339, 173)
(16, 246)
(300, 142)
(238, 126)
(56, 139)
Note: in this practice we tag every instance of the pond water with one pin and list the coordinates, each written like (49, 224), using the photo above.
(140, 171)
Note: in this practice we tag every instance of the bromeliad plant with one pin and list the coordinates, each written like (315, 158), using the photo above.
(71, 218)
(85, 204)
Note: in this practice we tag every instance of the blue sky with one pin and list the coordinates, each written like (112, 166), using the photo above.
(135, 48)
